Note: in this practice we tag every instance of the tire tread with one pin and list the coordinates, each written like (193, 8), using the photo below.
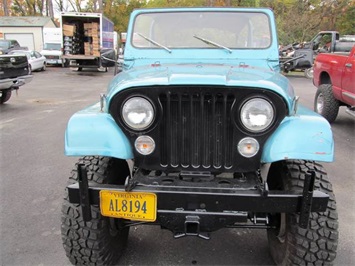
(88, 243)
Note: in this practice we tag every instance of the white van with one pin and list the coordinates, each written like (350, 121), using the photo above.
(52, 46)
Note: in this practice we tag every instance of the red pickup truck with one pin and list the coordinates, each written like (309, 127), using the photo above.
(334, 76)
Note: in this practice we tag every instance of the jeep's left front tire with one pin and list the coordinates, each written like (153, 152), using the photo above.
(290, 244)
(102, 240)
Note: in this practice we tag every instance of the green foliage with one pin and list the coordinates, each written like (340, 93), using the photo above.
(346, 22)
(119, 11)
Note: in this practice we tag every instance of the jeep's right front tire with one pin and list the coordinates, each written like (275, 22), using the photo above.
(290, 244)
(325, 103)
(102, 240)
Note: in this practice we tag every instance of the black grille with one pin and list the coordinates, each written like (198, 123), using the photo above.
(195, 129)
(13, 66)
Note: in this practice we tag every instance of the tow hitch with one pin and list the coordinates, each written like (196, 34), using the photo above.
(192, 228)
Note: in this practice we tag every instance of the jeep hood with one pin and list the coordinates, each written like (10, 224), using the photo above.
(202, 74)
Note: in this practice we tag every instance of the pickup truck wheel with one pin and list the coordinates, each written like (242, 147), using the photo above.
(325, 104)
(290, 244)
(5, 96)
(309, 73)
(102, 240)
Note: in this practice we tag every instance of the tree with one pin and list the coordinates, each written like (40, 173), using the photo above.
(4, 8)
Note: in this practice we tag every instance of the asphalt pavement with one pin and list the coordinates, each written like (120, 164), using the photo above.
(34, 172)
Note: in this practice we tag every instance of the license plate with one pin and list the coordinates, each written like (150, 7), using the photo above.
(137, 206)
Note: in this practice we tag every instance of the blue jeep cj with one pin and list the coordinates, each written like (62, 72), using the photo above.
(200, 132)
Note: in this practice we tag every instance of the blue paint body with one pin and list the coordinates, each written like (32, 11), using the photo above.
(301, 135)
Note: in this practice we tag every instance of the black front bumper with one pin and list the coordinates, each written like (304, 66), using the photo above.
(205, 207)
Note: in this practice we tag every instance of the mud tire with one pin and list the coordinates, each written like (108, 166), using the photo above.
(325, 103)
(293, 245)
(102, 240)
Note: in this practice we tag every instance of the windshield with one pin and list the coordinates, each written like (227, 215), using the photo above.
(52, 46)
(27, 53)
(214, 30)
(4, 44)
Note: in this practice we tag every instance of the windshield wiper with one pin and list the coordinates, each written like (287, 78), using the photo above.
(212, 43)
(154, 42)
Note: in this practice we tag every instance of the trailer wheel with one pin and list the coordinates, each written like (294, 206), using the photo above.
(5, 96)
(325, 103)
(102, 240)
(288, 243)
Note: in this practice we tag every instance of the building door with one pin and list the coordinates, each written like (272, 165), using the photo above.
(24, 39)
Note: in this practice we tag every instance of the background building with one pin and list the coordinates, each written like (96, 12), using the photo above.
(28, 31)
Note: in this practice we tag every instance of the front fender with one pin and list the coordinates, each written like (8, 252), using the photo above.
(92, 132)
(305, 136)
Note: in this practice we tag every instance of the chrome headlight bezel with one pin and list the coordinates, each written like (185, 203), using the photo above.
(138, 113)
(257, 114)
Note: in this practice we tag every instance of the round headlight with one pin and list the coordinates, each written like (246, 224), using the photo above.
(138, 113)
(257, 114)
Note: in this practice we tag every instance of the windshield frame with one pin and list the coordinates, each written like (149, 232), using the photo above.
(49, 45)
(212, 43)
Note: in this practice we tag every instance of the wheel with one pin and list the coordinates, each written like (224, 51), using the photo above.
(288, 243)
(78, 69)
(325, 104)
(29, 69)
(65, 63)
(5, 96)
(309, 73)
(44, 66)
(102, 240)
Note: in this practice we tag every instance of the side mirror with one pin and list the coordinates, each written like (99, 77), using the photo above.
(108, 57)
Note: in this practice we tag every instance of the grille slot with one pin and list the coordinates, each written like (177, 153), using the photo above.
(197, 130)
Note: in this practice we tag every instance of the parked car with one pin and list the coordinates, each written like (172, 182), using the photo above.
(14, 72)
(6, 46)
(36, 60)
(200, 131)
(334, 76)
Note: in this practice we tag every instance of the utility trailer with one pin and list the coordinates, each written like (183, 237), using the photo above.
(87, 38)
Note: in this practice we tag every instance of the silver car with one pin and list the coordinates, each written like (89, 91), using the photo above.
(36, 60)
